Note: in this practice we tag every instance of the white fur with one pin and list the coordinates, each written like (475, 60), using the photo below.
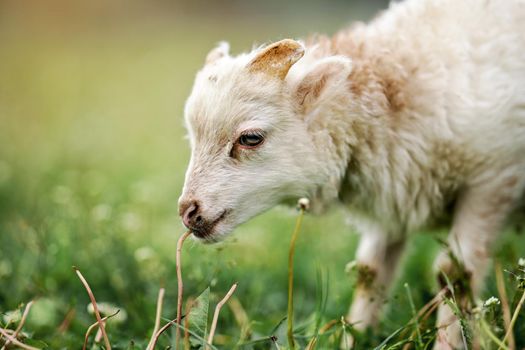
(421, 110)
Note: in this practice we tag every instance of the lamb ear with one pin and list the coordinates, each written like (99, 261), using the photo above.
(326, 73)
(222, 50)
(276, 59)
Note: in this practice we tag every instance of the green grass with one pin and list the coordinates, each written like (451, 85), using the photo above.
(92, 160)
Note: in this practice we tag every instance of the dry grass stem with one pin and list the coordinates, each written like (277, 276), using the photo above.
(98, 335)
(514, 318)
(180, 291)
(432, 305)
(425, 312)
(160, 301)
(64, 326)
(9, 331)
(291, 253)
(217, 311)
(15, 341)
(429, 308)
(500, 283)
(415, 317)
(21, 324)
(90, 329)
(313, 342)
(166, 326)
(95, 308)
(180, 285)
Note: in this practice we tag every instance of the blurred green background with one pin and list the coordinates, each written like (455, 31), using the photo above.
(92, 161)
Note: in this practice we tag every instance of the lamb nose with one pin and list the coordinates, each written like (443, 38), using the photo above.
(191, 216)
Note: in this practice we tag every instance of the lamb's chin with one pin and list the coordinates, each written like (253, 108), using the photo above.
(217, 234)
(208, 239)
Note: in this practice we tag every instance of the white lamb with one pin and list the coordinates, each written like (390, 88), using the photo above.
(414, 120)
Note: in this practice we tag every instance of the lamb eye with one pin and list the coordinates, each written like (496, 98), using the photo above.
(250, 140)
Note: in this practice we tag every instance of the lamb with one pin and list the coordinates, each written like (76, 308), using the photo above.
(413, 121)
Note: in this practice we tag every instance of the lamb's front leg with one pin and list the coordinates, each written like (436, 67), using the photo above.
(377, 258)
(478, 220)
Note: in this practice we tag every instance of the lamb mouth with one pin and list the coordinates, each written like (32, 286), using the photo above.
(206, 232)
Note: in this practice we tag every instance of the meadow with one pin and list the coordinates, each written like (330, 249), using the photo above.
(92, 161)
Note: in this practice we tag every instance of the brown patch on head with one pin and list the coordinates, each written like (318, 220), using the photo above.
(276, 59)
(372, 72)
(213, 78)
(360, 78)
(393, 89)
(363, 79)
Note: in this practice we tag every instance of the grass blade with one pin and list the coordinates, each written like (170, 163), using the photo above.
(414, 314)
(95, 308)
(218, 310)
(302, 207)
(180, 289)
